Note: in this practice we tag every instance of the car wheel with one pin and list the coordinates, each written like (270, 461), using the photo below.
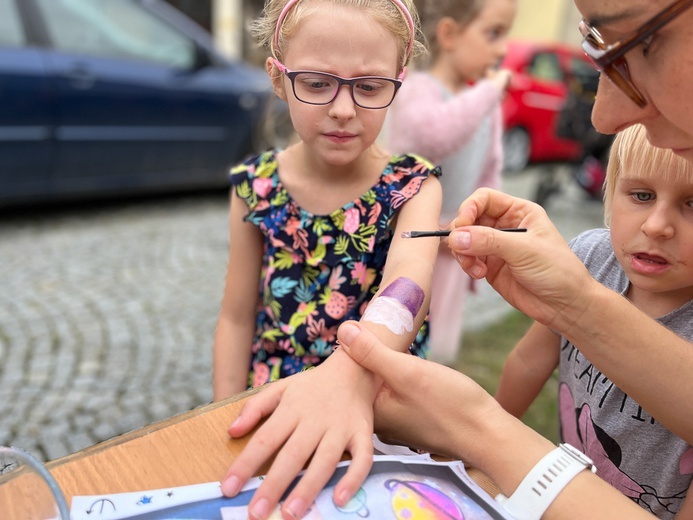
(516, 147)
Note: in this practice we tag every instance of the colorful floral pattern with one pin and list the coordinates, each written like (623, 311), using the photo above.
(318, 270)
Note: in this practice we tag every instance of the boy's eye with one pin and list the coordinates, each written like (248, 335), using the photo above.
(642, 196)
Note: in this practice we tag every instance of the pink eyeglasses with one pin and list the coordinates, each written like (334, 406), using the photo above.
(321, 88)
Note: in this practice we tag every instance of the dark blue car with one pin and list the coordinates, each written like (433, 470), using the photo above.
(102, 97)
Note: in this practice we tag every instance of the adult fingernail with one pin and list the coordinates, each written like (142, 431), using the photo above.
(260, 509)
(347, 332)
(231, 486)
(296, 508)
(461, 240)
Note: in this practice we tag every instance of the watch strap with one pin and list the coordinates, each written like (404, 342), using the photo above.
(544, 482)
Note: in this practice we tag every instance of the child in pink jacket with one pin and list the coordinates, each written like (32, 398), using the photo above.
(450, 113)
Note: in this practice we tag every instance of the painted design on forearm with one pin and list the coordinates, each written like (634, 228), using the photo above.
(397, 306)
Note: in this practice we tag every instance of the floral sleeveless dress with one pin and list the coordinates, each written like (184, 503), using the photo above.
(318, 270)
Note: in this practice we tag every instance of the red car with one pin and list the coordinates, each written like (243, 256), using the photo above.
(542, 73)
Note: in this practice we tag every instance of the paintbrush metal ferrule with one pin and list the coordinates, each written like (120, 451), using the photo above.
(446, 232)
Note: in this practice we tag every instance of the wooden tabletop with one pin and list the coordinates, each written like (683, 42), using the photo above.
(189, 448)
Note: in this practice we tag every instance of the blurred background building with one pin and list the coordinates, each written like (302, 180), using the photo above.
(538, 20)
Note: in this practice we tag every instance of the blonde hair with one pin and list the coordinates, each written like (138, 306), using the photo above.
(432, 11)
(385, 12)
(631, 152)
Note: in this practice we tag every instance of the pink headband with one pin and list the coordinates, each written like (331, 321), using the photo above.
(398, 3)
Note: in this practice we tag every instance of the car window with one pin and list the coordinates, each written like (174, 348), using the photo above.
(546, 66)
(119, 29)
(11, 32)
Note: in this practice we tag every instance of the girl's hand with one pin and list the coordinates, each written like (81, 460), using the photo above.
(535, 272)
(500, 78)
(303, 423)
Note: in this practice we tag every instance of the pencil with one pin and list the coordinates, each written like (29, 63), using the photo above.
(446, 232)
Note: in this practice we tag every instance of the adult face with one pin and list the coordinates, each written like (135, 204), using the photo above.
(661, 68)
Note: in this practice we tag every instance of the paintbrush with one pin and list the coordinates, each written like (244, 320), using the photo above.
(446, 232)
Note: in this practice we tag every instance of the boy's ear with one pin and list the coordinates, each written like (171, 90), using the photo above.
(446, 29)
(276, 77)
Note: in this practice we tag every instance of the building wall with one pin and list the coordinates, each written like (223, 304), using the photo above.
(547, 20)
(536, 20)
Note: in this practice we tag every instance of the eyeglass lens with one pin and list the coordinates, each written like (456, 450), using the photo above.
(321, 89)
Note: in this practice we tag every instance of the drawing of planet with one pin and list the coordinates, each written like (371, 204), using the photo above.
(357, 505)
(418, 501)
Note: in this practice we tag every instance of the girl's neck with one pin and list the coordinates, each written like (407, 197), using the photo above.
(445, 73)
(321, 188)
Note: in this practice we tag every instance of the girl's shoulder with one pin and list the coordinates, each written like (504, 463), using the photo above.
(260, 166)
(413, 165)
(256, 180)
(403, 177)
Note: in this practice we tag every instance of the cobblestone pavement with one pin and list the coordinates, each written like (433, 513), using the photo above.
(107, 313)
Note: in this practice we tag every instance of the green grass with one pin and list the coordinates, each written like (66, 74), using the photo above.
(482, 356)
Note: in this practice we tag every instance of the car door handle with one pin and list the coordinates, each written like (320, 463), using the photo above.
(80, 77)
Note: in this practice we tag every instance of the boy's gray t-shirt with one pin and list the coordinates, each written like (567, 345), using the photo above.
(631, 450)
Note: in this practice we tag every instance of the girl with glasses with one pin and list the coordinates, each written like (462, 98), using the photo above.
(315, 239)
(450, 113)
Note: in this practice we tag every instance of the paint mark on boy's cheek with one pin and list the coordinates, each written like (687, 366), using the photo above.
(397, 306)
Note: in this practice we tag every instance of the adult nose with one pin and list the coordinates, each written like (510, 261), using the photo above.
(343, 107)
(614, 111)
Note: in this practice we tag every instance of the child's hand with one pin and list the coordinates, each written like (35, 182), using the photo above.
(320, 413)
(500, 78)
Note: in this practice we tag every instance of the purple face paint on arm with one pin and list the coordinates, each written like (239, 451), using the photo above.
(407, 292)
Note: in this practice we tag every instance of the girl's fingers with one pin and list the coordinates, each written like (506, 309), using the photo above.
(361, 462)
(261, 447)
(258, 406)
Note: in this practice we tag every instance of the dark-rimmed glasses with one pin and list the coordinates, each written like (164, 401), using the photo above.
(321, 88)
(610, 59)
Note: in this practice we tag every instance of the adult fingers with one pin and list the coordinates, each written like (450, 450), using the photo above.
(367, 350)
(480, 241)
(486, 207)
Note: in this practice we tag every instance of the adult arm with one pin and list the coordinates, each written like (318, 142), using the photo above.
(424, 122)
(430, 406)
(528, 367)
(236, 323)
(317, 415)
(538, 273)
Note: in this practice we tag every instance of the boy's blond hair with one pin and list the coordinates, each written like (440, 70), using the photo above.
(631, 152)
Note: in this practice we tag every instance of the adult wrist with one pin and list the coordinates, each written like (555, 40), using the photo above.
(579, 318)
(509, 451)
(543, 483)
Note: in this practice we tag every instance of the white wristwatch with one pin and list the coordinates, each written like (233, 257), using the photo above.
(544, 481)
